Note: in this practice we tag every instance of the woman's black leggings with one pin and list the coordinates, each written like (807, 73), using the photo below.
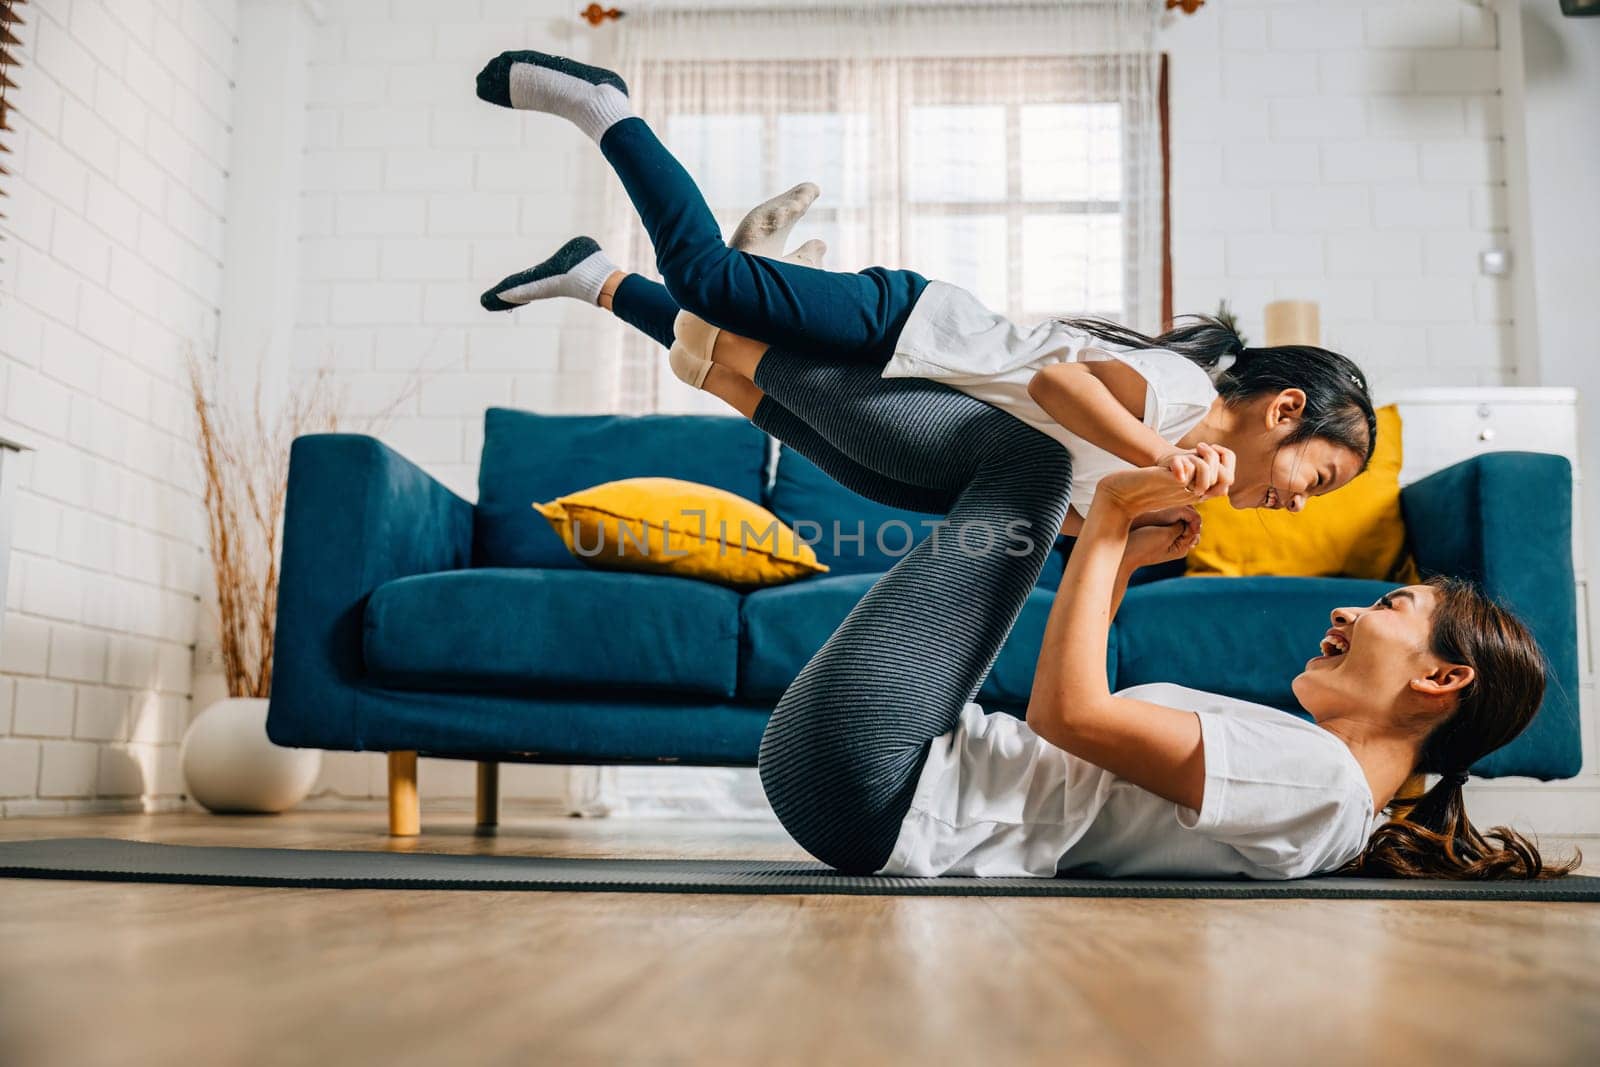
(650, 309)
(844, 747)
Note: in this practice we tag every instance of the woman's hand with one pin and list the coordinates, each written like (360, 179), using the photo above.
(1159, 542)
(1164, 517)
(1181, 479)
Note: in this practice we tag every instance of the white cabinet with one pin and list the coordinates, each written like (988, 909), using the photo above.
(1445, 426)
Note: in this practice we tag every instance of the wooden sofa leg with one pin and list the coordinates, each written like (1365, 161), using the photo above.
(405, 810)
(488, 794)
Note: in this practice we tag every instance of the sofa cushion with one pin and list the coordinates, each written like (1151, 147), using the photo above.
(1242, 637)
(856, 535)
(528, 457)
(501, 629)
(784, 627)
(668, 526)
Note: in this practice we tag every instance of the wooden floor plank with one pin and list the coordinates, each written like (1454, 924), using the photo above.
(103, 973)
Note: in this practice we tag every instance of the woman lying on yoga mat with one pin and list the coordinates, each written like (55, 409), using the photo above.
(875, 760)
(1297, 417)
(1162, 779)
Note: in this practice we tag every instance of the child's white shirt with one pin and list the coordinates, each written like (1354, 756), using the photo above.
(951, 337)
(1283, 798)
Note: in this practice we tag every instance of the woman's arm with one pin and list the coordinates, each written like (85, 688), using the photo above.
(1103, 403)
(1071, 706)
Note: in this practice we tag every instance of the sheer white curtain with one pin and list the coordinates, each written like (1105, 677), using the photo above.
(1011, 148)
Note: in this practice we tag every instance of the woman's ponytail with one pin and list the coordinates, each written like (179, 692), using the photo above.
(1431, 837)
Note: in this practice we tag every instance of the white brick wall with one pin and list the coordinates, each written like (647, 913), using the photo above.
(112, 272)
(1347, 153)
(417, 197)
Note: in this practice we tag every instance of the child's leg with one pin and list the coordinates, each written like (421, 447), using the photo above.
(843, 750)
(841, 416)
(649, 308)
(805, 309)
(845, 315)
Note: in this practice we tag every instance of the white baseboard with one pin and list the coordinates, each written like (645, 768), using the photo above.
(668, 792)
(1570, 807)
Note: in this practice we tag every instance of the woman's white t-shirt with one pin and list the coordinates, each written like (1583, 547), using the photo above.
(951, 337)
(1283, 798)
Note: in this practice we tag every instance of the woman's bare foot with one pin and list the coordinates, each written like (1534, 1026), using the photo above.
(741, 355)
(739, 392)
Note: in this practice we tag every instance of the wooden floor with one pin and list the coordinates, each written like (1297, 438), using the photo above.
(140, 974)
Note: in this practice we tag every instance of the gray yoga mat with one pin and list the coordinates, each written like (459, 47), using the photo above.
(111, 860)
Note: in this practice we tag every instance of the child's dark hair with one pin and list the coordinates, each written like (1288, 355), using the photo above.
(1338, 408)
(1430, 836)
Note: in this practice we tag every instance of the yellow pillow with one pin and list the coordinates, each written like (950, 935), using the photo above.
(1355, 531)
(668, 526)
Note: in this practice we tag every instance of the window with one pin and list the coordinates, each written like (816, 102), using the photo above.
(1020, 203)
(1004, 176)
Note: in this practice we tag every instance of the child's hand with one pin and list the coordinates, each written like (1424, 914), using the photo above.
(1184, 479)
(1159, 542)
(1179, 463)
(1187, 465)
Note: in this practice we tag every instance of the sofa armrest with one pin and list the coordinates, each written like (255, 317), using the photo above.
(357, 515)
(1504, 520)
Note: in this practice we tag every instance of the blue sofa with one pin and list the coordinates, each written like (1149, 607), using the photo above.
(411, 621)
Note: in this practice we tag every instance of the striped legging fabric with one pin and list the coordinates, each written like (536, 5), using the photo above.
(844, 748)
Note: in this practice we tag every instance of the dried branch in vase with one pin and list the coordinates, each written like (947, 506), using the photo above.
(244, 465)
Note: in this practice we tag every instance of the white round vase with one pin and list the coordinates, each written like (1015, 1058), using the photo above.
(230, 765)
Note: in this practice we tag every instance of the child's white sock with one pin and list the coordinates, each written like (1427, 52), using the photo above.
(578, 269)
(592, 98)
(765, 230)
